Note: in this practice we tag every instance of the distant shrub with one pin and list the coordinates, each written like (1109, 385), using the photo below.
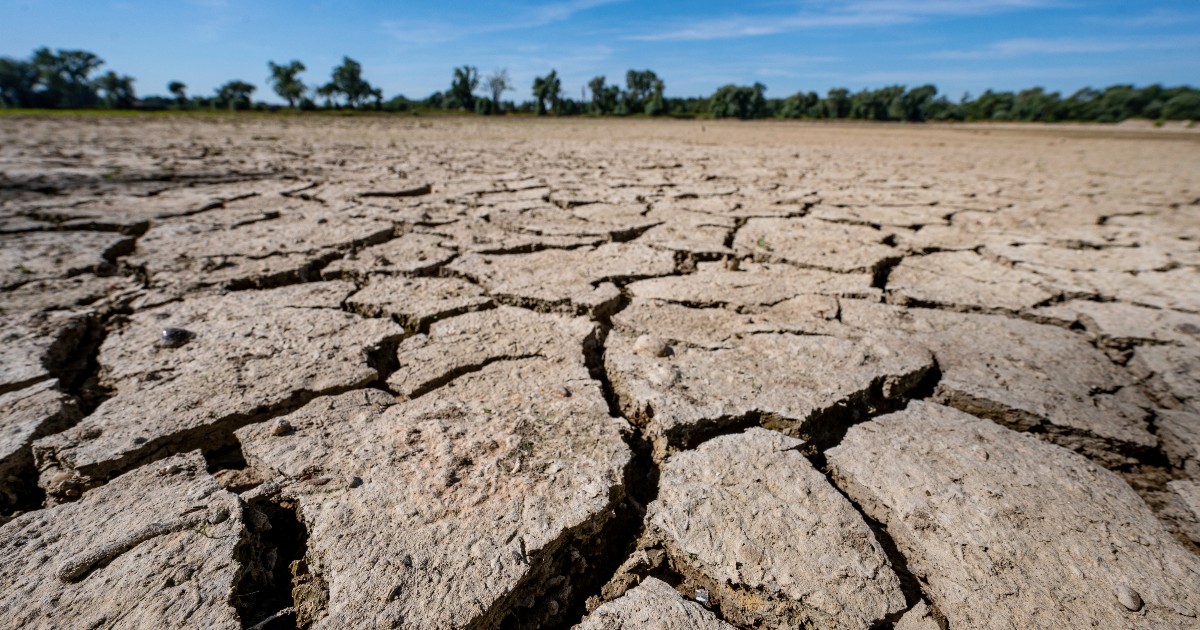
(1182, 107)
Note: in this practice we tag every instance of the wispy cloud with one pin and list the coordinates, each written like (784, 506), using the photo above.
(561, 11)
(1157, 17)
(856, 13)
(737, 26)
(1010, 48)
(440, 31)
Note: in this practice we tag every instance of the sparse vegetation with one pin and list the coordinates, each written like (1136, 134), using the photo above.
(63, 79)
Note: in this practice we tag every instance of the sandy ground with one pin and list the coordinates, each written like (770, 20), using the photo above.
(319, 371)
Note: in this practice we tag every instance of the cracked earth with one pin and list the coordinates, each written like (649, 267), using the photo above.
(318, 372)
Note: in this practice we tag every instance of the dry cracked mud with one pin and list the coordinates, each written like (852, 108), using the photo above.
(386, 372)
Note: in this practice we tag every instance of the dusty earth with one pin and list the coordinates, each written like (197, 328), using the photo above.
(269, 372)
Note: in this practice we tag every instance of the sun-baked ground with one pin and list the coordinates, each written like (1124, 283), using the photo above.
(432, 373)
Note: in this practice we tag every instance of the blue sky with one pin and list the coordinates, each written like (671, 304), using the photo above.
(411, 48)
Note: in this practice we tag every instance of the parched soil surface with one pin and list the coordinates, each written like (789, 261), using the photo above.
(376, 372)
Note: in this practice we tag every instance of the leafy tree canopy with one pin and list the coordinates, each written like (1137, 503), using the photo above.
(347, 81)
(286, 82)
(234, 95)
(463, 86)
(547, 90)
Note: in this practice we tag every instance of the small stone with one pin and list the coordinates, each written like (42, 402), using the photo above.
(175, 337)
(651, 346)
(664, 376)
(1128, 597)
(702, 596)
(281, 427)
(170, 469)
(651, 604)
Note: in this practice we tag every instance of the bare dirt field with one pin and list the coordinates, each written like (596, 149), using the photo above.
(376, 372)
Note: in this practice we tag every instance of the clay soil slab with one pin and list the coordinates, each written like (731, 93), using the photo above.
(25, 415)
(47, 255)
(775, 541)
(408, 254)
(573, 280)
(482, 237)
(1171, 374)
(608, 221)
(452, 510)
(965, 281)
(752, 285)
(1112, 259)
(714, 328)
(1024, 375)
(34, 347)
(893, 216)
(253, 252)
(417, 302)
(248, 353)
(1124, 325)
(1004, 528)
(814, 243)
(1179, 436)
(467, 343)
(156, 548)
(789, 381)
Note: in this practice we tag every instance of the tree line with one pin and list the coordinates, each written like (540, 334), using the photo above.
(71, 79)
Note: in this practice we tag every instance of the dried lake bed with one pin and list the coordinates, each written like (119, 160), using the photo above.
(371, 371)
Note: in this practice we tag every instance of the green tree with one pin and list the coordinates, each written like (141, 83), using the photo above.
(1084, 104)
(547, 90)
(604, 97)
(1035, 104)
(801, 105)
(463, 86)
(498, 83)
(1117, 103)
(1185, 106)
(941, 108)
(17, 82)
(234, 95)
(117, 89)
(327, 92)
(655, 105)
(285, 81)
(348, 82)
(915, 103)
(640, 86)
(733, 101)
(179, 90)
(989, 106)
(837, 103)
(65, 76)
(437, 100)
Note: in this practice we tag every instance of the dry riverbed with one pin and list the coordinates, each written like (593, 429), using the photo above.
(328, 372)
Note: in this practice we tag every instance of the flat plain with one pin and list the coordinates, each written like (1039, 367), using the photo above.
(273, 371)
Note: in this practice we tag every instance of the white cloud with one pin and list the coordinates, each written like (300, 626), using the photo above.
(855, 13)
(440, 31)
(1157, 17)
(560, 11)
(1010, 48)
